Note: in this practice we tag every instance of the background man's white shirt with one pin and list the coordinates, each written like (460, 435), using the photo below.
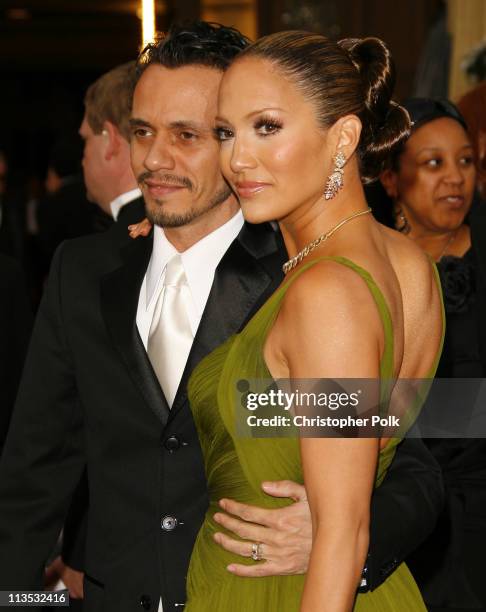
(119, 202)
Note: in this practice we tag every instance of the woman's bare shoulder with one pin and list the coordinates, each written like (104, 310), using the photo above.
(326, 277)
(329, 289)
(328, 324)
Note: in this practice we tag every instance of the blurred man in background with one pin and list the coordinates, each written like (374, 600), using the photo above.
(105, 129)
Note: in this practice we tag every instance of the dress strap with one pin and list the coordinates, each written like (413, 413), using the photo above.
(386, 364)
(433, 370)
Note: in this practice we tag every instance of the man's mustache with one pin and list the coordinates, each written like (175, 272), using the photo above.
(168, 179)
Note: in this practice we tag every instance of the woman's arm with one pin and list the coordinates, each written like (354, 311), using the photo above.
(339, 477)
(329, 327)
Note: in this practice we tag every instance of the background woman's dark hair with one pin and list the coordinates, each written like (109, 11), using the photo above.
(352, 76)
(195, 42)
(421, 111)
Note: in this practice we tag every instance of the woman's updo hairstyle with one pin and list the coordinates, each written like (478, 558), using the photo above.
(349, 77)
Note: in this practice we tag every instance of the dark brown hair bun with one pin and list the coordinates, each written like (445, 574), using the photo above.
(387, 124)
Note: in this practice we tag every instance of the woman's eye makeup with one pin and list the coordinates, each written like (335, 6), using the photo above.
(266, 126)
(222, 133)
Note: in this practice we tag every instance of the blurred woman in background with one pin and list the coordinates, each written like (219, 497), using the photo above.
(431, 182)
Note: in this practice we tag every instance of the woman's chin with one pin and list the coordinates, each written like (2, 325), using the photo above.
(255, 216)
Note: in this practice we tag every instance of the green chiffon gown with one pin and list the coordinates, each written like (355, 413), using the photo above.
(236, 465)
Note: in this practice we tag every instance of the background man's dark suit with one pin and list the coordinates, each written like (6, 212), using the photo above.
(63, 215)
(15, 328)
(89, 394)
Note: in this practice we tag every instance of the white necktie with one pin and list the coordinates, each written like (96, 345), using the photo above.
(170, 337)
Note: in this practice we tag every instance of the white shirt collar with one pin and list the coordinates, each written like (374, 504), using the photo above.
(119, 202)
(199, 261)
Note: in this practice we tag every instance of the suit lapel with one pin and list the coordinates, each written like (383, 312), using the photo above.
(248, 273)
(119, 300)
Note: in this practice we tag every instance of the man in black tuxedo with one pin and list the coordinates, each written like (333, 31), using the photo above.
(90, 395)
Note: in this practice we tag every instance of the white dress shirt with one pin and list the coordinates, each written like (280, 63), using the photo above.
(199, 261)
(119, 202)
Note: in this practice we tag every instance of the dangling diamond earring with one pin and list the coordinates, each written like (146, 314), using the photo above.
(335, 181)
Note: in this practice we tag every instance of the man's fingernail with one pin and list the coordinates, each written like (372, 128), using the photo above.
(266, 485)
(230, 568)
(216, 517)
(222, 503)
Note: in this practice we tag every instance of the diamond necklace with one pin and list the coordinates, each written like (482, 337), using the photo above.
(291, 263)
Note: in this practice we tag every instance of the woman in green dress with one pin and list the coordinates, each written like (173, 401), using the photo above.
(302, 122)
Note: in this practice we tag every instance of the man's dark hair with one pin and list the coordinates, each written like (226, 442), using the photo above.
(195, 42)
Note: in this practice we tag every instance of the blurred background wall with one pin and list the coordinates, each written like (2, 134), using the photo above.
(50, 50)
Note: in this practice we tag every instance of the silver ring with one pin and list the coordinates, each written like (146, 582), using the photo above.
(256, 552)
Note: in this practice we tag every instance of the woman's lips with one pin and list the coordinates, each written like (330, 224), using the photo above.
(247, 189)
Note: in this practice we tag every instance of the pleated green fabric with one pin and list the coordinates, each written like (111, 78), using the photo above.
(236, 465)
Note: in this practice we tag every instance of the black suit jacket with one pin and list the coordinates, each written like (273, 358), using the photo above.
(63, 215)
(75, 527)
(90, 397)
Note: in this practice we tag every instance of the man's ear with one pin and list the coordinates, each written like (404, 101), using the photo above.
(113, 139)
(388, 179)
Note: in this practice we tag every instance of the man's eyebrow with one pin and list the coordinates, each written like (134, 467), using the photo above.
(187, 124)
(181, 124)
(136, 122)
